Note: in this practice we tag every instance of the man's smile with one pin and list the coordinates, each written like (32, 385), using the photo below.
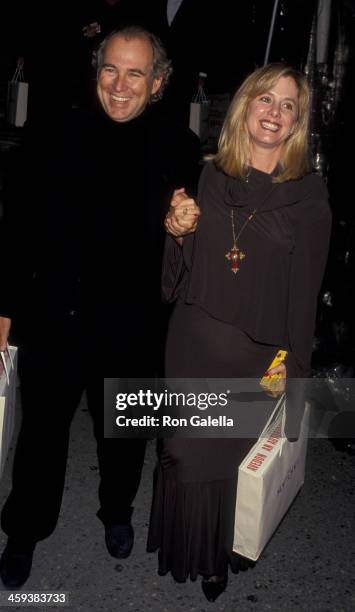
(119, 98)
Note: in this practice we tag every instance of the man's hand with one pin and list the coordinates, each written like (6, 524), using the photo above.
(183, 214)
(5, 325)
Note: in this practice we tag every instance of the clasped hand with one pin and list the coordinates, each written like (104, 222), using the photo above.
(183, 214)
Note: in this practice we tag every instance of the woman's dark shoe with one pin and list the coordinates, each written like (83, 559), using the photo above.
(213, 587)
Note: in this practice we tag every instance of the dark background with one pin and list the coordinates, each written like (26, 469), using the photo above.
(227, 39)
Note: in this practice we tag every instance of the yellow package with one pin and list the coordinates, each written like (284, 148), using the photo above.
(273, 384)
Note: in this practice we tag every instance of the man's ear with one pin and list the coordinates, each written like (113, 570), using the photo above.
(156, 84)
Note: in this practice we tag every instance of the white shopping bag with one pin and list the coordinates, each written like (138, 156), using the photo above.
(199, 111)
(269, 479)
(17, 95)
(199, 122)
(8, 367)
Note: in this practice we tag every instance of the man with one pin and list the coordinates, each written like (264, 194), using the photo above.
(92, 20)
(83, 289)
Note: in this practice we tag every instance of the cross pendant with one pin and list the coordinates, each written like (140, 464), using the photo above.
(235, 255)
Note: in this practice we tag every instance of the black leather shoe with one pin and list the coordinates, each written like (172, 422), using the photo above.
(15, 565)
(119, 540)
(213, 587)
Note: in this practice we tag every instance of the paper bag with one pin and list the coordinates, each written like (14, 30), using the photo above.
(8, 367)
(199, 113)
(17, 95)
(269, 479)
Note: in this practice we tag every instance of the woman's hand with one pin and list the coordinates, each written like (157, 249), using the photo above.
(278, 384)
(183, 214)
(280, 369)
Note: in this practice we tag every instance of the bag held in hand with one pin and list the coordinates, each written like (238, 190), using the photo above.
(269, 479)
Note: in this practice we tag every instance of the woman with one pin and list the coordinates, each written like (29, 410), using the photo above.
(246, 283)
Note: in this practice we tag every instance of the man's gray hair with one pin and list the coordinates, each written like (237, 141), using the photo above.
(162, 67)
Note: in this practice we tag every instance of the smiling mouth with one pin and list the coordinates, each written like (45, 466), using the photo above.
(267, 125)
(120, 99)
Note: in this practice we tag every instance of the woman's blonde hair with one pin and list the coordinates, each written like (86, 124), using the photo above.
(233, 155)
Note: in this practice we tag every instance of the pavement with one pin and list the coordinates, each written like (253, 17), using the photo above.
(309, 564)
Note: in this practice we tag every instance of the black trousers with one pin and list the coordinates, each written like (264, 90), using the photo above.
(53, 376)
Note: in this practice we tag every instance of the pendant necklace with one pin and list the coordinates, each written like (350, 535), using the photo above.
(235, 255)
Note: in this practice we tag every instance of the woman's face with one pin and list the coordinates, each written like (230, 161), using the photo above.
(272, 115)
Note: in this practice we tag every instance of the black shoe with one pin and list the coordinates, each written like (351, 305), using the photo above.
(15, 565)
(214, 586)
(119, 540)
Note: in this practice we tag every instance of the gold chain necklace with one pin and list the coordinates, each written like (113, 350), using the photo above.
(235, 255)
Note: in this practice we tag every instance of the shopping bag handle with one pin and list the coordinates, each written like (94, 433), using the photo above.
(3, 359)
(19, 75)
(273, 416)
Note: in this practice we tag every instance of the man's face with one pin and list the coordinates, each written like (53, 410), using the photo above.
(125, 82)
